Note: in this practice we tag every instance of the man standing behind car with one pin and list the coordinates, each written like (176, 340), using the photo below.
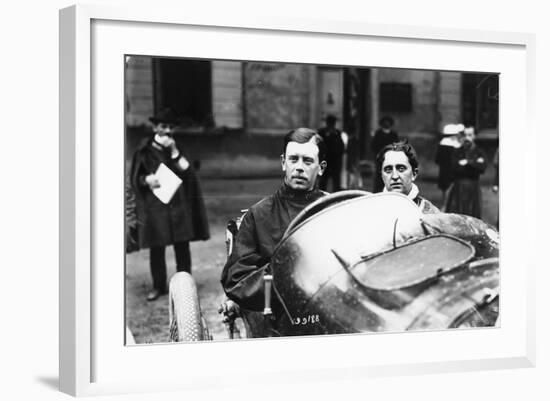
(182, 218)
(262, 227)
(468, 162)
(335, 153)
(398, 165)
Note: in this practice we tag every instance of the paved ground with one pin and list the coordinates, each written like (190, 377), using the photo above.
(148, 321)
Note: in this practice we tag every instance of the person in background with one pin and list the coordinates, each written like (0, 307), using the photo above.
(443, 157)
(468, 162)
(398, 165)
(335, 145)
(177, 222)
(353, 164)
(383, 136)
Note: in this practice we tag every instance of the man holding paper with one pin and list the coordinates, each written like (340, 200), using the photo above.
(170, 207)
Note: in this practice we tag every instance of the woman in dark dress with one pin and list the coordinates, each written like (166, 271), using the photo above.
(444, 156)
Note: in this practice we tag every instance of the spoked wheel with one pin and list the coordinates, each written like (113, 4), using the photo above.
(186, 321)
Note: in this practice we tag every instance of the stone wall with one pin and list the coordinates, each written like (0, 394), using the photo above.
(276, 97)
(227, 91)
(138, 90)
(423, 118)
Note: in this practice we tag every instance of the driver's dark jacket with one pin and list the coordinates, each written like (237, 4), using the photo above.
(261, 230)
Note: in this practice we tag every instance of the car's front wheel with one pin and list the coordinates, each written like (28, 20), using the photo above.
(186, 321)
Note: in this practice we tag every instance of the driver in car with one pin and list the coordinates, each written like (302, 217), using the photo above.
(262, 227)
(399, 168)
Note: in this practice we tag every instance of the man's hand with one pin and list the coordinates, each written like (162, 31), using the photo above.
(495, 188)
(463, 162)
(152, 181)
(169, 143)
(229, 309)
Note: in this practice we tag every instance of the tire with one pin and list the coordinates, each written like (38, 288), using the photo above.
(186, 323)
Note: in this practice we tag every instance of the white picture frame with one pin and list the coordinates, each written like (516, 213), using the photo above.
(93, 358)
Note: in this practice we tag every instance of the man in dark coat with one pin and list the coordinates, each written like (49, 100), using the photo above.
(335, 152)
(468, 163)
(182, 218)
(265, 222)
(383, 136)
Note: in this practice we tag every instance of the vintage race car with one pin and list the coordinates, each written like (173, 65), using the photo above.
(355, 262)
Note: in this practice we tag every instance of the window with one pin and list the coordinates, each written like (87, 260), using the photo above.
(480, 100)
(395, 97)
(185, 86)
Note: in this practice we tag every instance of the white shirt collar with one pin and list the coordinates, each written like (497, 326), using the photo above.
(412, 194)
(157, 138)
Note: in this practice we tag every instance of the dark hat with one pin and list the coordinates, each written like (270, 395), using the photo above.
(167, 116)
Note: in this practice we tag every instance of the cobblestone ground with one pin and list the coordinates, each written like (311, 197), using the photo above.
(148, 321)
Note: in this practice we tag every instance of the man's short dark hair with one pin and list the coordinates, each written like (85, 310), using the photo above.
(330, 119)
(304, 135)
(386, 120)
(401, 146)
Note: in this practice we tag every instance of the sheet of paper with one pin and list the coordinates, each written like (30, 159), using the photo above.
(169, 183)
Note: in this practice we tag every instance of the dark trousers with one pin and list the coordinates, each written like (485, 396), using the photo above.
(157, 262)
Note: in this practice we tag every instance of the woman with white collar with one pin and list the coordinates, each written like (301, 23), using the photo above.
(443, 157)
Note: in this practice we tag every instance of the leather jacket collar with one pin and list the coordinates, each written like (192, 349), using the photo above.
(288, 193)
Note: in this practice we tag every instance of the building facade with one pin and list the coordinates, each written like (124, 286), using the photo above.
(261, 101)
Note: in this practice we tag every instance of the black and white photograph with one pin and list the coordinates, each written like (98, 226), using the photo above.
(302, 200)
(273, 199)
